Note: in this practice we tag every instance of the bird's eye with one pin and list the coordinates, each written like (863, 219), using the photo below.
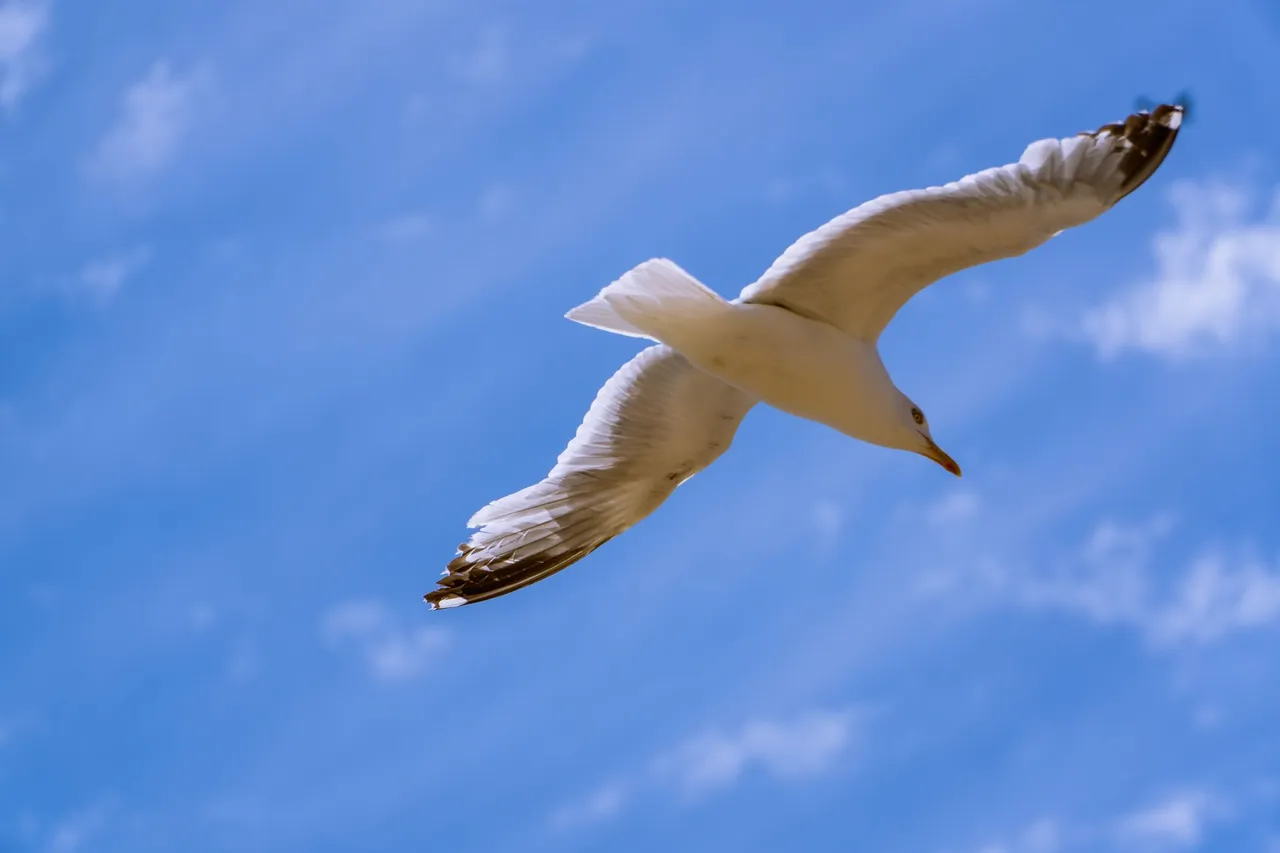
(917, 416)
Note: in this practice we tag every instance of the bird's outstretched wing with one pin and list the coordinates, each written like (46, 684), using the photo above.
(655, 423)
(856, 271)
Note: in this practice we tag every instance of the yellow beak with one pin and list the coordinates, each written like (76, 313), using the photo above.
(937, 454)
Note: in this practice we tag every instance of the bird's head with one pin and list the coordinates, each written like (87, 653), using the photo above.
(914, 429)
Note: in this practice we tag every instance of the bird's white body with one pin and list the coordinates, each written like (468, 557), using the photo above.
(804, 367)
(802, 338)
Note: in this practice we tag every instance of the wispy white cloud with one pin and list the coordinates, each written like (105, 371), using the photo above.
(156, 114)
(1177, 823)
(22, 23)
(1115, 579)
(391, 653)
(1217, 280)
(955, 507)
(1217, 597)
(788, 750)
(793, 749)
(1106, 580)
(405, 228)
(605, 802)
(1112, 582)
(1180, 821)
(1043, 836)
(101, 279)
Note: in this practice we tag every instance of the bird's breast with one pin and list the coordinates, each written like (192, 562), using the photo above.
(805, 367)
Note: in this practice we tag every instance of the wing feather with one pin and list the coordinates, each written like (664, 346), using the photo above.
(655, 423)
(860, 268)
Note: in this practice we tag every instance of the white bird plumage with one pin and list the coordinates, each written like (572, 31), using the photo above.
(807, 327)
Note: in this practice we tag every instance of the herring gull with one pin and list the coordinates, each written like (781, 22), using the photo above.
(803, 338)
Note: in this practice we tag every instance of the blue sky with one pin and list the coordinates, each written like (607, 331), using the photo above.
(282, 300)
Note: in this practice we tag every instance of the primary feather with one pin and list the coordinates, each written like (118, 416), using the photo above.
(654, 424)
(857, 270)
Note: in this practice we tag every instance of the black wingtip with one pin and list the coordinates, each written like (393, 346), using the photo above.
(443, 599)
(1149, 135)
(1144, 104)
(469, 582)
(1152, 136)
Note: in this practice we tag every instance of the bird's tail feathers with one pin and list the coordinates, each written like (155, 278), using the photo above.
(648, 299)
(599, 314)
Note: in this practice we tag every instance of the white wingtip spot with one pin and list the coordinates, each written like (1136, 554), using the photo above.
(1174, 121)
(447, 602)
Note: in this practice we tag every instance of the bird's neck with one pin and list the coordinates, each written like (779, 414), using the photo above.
(870, 407)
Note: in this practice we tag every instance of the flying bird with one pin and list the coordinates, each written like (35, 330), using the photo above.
(802, 338)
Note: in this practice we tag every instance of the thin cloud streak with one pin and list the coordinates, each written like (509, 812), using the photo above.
(789, 750)
(22, 63)
(1115, 578)
(156, 115)
(390, 653)
(1217, 280)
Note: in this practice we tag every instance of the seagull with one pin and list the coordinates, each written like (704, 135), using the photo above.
(802, 338)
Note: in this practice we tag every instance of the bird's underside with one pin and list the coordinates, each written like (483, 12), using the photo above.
(659, 420)
(654, 424)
